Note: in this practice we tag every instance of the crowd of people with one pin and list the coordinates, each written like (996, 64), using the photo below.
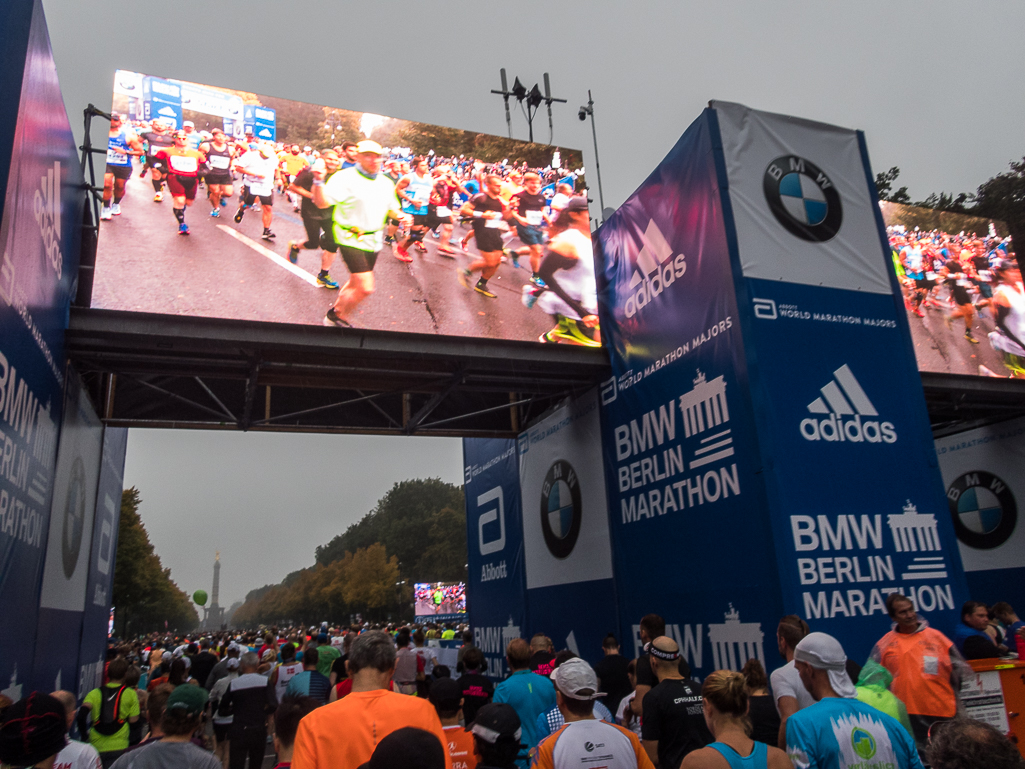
(355, 199)
(964, 277)
(378, 697)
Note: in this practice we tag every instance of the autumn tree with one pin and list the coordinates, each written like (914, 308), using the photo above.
(144, 595)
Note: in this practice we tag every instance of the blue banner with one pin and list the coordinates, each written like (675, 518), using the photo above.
(496, 590)
(162, 99)
(40, 239)
(262, 120)
(691, 540)
(854, 491)
(99, 588)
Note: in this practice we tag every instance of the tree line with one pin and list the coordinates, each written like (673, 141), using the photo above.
(1000, 197)
(415, 533)
(144, 595)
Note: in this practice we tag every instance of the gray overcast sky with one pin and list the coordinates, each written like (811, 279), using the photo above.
(935, 85)
(265, 500)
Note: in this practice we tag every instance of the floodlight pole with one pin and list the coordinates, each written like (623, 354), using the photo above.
(589, 110)
(505, 93)
(548, 101)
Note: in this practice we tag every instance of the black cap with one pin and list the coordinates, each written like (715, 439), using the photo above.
(33, 729)
(409, 748)
(497, 722)
(445, 694)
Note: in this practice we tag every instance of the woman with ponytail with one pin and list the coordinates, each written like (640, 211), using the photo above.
(725, 701)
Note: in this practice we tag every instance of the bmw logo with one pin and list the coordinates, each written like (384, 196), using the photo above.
(802, 198)
(983, 509)
(74, 518)
(561, 510)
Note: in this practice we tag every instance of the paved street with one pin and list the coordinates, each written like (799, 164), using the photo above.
(946, 351)
(225, 270)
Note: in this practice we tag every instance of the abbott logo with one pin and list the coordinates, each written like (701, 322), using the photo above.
(846, 404)
(765, 308)
(655, 269)
(497, 513)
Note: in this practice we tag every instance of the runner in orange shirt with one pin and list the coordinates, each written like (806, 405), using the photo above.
(344, 734)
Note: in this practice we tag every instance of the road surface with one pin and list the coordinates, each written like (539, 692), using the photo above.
(225, 270)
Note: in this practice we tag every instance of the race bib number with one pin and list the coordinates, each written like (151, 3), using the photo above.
(422, 196)
(219, 161)
(116, 158)
(183, 164)
(534, 218)
(964, 283)
(931, 665)
(495, 224)
(443, 211)
(930, 276)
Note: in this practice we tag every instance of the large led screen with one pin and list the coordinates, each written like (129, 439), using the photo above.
(962, 291)
(440, 600)
(267, 209)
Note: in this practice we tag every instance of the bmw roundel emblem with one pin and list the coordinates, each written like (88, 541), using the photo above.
(802, 198)
(74, 518)
(561, 510)
(983, 510)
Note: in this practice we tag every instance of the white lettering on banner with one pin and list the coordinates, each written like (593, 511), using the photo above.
(491, 572)
(651, 271)
(167, 89)
(264, 114)
(472, 471)
(491, 516)
(853, 603)
(912, 533)
(842, 397)
(703, 409)
(46, 206)
(492, 641)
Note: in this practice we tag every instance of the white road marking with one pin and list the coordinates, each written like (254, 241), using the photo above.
(280, 261)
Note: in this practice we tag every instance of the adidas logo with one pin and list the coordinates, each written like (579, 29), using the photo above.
(46, 207)
(655, 269)
(849, 410)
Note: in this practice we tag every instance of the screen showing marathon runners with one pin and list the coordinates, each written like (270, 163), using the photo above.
(227, 204)
(439, 599)
(962, 290)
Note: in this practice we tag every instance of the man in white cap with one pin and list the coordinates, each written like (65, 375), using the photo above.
(838, 731)
(363, 199)
(584, 740)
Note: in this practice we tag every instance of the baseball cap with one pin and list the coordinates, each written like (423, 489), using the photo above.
(33, 729)
(445, 694)
(188, 124)
(497, 721)
(410, 748)
(576, 679)
(369, 146)
(232, 663)
(188, 698)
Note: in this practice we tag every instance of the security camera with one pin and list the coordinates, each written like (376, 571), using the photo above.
(582, 114)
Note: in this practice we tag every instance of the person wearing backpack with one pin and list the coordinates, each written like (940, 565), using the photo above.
(113, 707)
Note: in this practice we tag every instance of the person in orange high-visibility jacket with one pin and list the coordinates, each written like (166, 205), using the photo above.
(926, 667)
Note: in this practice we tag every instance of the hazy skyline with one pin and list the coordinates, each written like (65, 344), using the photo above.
(265, 500)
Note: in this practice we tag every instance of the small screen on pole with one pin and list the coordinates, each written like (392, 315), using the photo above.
(962, 290)
(439, 599)
(222, 203)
